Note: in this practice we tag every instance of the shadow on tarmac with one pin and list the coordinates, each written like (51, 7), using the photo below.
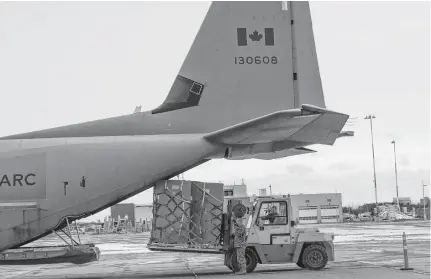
(181, 275)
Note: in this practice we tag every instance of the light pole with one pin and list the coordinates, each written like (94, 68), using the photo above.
(371, 117)
(423, 199)
(396, 174)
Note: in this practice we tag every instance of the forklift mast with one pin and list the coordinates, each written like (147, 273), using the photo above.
(227, 224)
(227, 236)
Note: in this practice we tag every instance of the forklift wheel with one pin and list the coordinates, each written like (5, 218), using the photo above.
(251, 261)
(314, 257)
(300, 264)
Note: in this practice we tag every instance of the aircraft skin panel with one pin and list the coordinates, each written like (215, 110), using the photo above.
(228, 56)
(310, 90)
(82, 178)
(32, 145)
(27, 184)
(274, 155)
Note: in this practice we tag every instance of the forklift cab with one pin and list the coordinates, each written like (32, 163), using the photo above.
(270, 223)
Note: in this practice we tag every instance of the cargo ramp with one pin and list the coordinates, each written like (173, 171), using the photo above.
(72, 252)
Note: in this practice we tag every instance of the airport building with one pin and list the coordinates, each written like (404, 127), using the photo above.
(404, 201)
(314, 208)
(134, 213)
(307, 208)
(427, 201)
(123, 211)
(317, 208)
(235, 190)
(143, 213)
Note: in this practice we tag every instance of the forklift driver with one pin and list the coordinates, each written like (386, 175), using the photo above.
(273, 217)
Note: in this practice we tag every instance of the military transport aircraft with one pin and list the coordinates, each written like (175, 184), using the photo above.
(249, 87)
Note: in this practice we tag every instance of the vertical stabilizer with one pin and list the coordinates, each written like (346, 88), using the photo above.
(248, 59)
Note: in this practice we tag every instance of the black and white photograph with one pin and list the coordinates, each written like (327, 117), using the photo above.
(209, 140)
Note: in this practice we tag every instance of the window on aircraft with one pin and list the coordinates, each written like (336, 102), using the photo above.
(196, 88)
(307, 201)
(328, 200)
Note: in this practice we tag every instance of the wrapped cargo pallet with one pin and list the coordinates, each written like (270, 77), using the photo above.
(206, 212)
(171, 205)
(187, 214)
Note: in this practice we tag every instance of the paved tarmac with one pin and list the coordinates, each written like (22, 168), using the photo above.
(362, 251)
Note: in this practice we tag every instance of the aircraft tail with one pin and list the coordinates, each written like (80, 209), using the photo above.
(248, 59)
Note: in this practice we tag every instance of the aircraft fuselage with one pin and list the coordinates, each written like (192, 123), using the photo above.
(74, 177)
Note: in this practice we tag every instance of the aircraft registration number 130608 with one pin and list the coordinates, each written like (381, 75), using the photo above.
(256, 60)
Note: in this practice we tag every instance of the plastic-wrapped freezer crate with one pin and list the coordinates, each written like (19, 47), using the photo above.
(187, 214)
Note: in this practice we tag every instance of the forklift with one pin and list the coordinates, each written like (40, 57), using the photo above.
(273, 237)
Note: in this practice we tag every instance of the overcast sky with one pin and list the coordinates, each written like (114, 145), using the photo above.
(64, 63)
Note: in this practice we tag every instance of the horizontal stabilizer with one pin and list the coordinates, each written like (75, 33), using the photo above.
(309, 125)
(276, 154)
(276, 126)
